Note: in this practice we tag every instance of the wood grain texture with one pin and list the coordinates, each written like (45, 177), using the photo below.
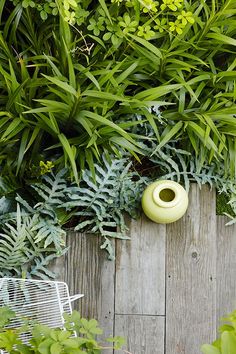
(226, 267)
(140, 270)
(197, 255)
(144, 334)
(58, 266)
(191, 276)
(88, 271)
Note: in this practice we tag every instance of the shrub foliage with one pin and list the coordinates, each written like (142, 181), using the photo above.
(85, 85)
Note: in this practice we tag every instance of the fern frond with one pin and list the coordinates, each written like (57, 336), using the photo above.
(25, 204)
(107, 245)
(39, 268)
(51, 193)
(100, 203)
(49, 232)
(12, 245)
(28, 243)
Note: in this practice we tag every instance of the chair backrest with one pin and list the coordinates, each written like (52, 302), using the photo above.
(36, 300)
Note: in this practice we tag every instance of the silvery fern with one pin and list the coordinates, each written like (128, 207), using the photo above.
(100, 204)
(35, 233)
(179, 165)
(51, 193)
(21, 250)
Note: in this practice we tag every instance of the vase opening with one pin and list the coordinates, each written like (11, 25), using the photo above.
(167, 195)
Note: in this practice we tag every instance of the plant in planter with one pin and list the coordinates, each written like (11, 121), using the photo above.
(226, 343)
(47, 340)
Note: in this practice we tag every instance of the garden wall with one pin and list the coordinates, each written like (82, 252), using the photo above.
(169, 285)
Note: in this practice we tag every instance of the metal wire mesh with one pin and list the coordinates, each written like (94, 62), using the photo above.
(35, 300)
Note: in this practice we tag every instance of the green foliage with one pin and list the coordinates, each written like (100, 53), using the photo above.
(56, 107)
(45, 7)
(110, 19)
(28, 244)
(222, 204)
(226, 344)
(57, 340)
(179, 165)
(121, 58)
(80, 80)
(32, 236)
(100, 205)
(5, 315)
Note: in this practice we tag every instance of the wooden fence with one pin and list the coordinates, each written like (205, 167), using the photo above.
(169, 285)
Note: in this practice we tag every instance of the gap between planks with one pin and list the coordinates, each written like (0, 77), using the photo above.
(198, 252)
(138, 314)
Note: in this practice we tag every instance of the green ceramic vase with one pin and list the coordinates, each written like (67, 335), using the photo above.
(164, 201)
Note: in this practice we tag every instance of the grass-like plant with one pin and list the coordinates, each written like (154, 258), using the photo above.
(80, 80)
(69, 86)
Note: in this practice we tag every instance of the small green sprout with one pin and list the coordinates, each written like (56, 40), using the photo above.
(146, 32)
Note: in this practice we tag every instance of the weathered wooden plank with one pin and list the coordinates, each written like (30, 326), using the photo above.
(140, 270)
(58, 266)
(226, 267)
(86, 269)
(191, 276)
(144, 334)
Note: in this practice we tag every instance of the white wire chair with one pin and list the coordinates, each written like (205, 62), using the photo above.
(38, 301)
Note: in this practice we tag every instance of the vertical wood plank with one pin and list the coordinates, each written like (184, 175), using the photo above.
(145, 334)
(58, 267)
(226, 267)
(140, 270)
(191, 276)
(87, 270)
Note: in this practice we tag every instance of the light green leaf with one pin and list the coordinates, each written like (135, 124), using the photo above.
(152, 48)
(62, 84)
(156, 92)
(222, 38)
(70, 153)
(209, 349)
(168, 134)
(228, 342)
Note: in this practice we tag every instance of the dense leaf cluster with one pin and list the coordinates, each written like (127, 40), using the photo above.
(31, 224)
(73, 91)
(66, 93)
(54, 340)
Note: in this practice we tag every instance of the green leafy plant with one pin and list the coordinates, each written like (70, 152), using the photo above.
(32, 226)
(57, 340)
(89, 87)
(226, 343)
(28, 244)
(152, 81)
